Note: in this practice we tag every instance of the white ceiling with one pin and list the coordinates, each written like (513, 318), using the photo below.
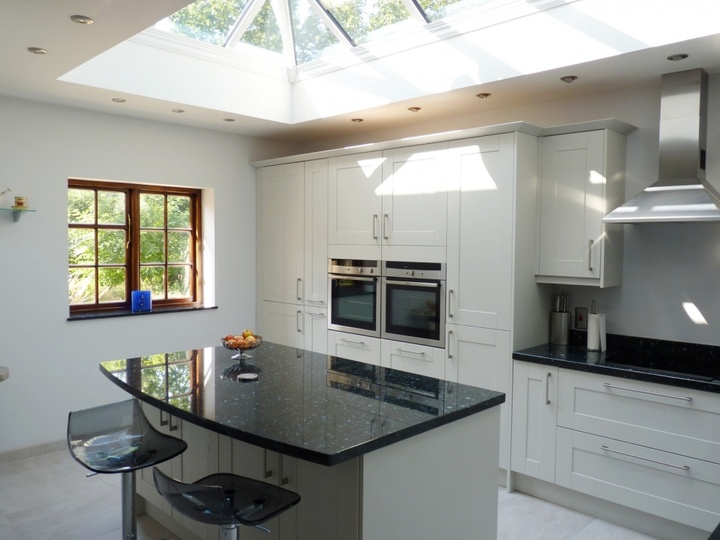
(46, 24)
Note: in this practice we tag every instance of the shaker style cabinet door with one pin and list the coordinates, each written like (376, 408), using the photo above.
(281, 220)
(316, 233)
(480, 232)
(582, 179)
(414, 196)
(354, 201)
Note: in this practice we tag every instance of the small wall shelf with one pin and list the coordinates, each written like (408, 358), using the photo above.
(16, 212)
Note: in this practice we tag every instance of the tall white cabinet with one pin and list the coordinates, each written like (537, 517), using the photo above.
(292, 254)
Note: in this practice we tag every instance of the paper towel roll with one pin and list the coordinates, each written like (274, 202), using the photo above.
(596, 332)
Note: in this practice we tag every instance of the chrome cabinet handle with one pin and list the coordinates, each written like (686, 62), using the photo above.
(664, 463)
(375, 219)
(267, 472)
(405, 351)
(315, 315)
(451, 293)
(298, 318)
(386, 219)
(590, 268)
(614, 387)
(163, 422)
(298, 288)
(173, 427)
(353, 342)
(284, 480)
(449, 353)
(315, 302)
(547, 388)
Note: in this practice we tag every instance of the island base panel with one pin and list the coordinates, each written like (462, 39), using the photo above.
(440, 484)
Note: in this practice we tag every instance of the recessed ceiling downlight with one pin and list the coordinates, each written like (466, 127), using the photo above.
(356, 120)
(677, 57)
(37, 50)
(119, 100)
(483, 95)
(569, 79)
(81, 19)
(414, 109)
(178, 111)
(228, 119)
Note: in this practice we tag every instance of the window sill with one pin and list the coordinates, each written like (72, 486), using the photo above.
(128, 313)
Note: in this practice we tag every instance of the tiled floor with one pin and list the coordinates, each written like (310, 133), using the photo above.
(49, 498)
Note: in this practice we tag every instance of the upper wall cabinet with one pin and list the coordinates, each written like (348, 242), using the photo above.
(393, 198)
(582, 179)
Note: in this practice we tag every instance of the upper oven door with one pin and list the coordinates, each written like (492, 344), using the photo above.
(414, 311)
(354, 304)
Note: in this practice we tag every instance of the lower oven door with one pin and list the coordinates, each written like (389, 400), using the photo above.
(354, 304)
(414, 311)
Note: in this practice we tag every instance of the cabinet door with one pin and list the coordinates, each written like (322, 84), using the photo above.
(571, 204)
(359, 348)
(420, 359)
(534, 420)
(198, 461)
(315, 329)
(414, 196)
(480, 232)
(281, 194)
(283, 324)
(316, 233)
(481, 357)
(354, 201)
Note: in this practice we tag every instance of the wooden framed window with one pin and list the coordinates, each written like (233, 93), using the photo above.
(127, 237)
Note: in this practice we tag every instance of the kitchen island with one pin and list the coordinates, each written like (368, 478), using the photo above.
(397, 455)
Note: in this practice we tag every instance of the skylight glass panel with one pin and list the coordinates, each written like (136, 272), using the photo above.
(264, 31)
(364, 20)
(209, 21)
(312, 37)
(439, 9)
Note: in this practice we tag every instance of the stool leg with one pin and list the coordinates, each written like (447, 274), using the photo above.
(129, 525)
(229, 532)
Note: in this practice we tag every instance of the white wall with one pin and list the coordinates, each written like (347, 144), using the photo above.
(665, 264)
(54, 362)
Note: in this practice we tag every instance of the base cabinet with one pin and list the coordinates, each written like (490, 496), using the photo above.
(354, 347)
(419, 359)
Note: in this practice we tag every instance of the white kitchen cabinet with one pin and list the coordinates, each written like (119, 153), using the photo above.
(420, 359)
(354, 347)
(316, 234)
(414, 196)
(295, 325)
(281, 241)
(648, 446)
(480, 231)
(392, 201)
(354, 201)
(582, 179)
(534, 417)
(481, 357)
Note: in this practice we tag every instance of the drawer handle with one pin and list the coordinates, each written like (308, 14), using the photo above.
(681, 398)
(352, 341)
(681, 467)
(405, 351)
(315, 315)
(547, 388)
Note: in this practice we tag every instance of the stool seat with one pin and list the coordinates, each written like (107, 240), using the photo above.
(225, 499)
(117, 438)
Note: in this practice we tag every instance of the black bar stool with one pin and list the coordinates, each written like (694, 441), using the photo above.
(117, 438)
(227, 500)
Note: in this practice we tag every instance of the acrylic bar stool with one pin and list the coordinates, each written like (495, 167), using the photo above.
(117, 438)
(227, 500)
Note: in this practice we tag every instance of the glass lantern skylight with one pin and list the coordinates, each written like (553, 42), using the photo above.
(305, 30)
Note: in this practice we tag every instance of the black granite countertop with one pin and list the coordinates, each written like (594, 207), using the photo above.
(673, 363)
(311, 406)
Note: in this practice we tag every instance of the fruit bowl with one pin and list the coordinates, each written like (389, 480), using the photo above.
(240, 343)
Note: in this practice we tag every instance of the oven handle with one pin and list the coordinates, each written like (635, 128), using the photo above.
(429, 285)
(353, 277)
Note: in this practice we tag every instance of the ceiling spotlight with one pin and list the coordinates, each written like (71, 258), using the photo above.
(81, 19)
(677, 57)
(568, 79)
(178, 110)
(228, 119)
(483, 95)
(413, 109)
(37, 50)
(119, 100)
(356, 120)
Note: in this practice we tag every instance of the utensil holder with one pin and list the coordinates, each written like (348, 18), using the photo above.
(559, 327)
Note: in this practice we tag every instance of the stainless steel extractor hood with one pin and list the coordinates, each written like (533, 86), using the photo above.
(682, 193)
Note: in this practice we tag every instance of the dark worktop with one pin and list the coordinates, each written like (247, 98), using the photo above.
(674, 363)
(307, 405)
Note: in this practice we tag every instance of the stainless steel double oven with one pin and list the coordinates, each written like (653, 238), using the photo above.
(399, 300)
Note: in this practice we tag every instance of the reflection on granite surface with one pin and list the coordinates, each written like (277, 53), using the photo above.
(313, 406)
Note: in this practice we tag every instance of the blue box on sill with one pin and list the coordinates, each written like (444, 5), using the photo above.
(141, 301)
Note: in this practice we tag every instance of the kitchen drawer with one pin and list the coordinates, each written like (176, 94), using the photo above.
(419, 359)
(354, 347)
(675, 487)
(673, 419)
